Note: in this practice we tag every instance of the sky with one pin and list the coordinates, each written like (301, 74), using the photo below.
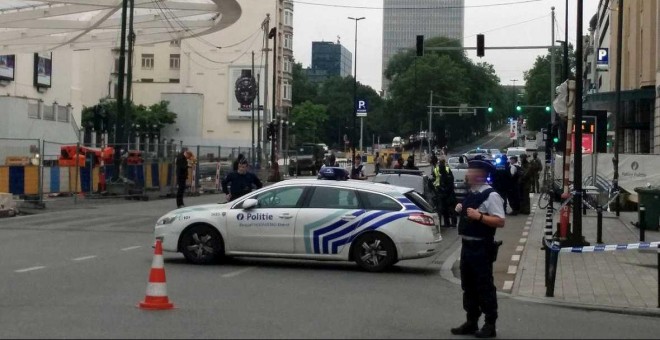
(528, 24)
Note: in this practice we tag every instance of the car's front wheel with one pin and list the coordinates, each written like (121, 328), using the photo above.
(374, 252)
(202, 244)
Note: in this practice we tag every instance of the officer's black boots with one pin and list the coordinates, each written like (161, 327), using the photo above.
(465, 329)
(487, 331)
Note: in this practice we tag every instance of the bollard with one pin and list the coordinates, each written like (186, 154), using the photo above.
(599, 225)
(552, 271)
(642, 225)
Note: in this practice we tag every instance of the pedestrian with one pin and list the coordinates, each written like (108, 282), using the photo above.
(388, 161)
(481, 215)
(526, 179)
(181, 166)
(410, 163)
(537, 168)
(331, 161)
(461, 163)
(240, 182)
(514, 188)
(237, 160)
(502, 178)
(399, 163)
(357, 172)
(447, 193)
(377, 163)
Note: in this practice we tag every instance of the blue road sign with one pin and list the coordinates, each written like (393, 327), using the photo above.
(362, 108)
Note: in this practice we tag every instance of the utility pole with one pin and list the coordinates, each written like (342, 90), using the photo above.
(264, 146)
(617, 124)
(275, 143)
(552, 66)
(121, 117)
(353, 134)
(577, 161)
(252, 130)
(428, 135)
(129, 72)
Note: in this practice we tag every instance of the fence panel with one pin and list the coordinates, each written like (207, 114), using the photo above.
(19, 172)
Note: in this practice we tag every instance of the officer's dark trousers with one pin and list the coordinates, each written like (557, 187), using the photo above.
(503, 194)
(181, 189)
(514, 198)
(479, 294)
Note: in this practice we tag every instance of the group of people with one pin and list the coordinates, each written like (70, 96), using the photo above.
(236, 184)
(514, 179)
(387, 162)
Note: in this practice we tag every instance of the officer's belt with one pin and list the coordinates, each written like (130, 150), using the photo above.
(471, 238)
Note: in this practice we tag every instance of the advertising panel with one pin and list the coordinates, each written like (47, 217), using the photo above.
(7, 67)
(240, 87)
(43, 69)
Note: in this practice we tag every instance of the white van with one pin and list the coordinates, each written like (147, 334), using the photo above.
(396, 142)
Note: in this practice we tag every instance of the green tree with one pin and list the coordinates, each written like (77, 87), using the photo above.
(310, 121)
(303, 88)
(537, 87)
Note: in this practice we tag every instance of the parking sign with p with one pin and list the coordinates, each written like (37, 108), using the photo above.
(362, 108)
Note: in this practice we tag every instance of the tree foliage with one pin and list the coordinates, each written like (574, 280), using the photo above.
(303, 89)
(310, 121)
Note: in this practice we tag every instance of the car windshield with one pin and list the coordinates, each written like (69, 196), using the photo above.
(419, 201)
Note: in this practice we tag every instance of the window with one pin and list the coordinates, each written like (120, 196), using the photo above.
(147, 61)
(175, 43)
(287, 65)
(379, 202)
(288, 17)
(289, 197)
(420, 202)
(288, 41)
(333, 198)
(175, 61)
(286, 90)
(174, 81)
(147, 80)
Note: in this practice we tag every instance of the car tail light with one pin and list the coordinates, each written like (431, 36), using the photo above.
(422, 219)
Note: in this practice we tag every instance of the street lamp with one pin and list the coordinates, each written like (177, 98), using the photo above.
(353, 133)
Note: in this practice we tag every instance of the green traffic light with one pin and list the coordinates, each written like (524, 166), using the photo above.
(518, 108)
(490, 110)
(547, 109)
(555, 140)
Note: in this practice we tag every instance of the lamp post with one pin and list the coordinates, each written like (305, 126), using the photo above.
(353, 133)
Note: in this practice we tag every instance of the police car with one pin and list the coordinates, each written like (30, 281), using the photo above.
(375, 225)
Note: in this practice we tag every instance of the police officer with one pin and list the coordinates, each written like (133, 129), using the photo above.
(515, 199)
(182, 175)
(481, 214)
(240, 182)
(502, 178)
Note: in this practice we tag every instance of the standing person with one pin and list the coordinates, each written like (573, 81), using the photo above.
(377, 163)
(526, 178)
(461, 163)
(537, 168)
(242, 182)
(181, 175)
(388, 161)
(447, 194)
(410, 164)
(238, 160)
(502, 178)
(331, 161)
(514, 188)
(399, 163)
(481, 215)
(357, 172)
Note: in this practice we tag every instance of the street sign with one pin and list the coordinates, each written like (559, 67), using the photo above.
(362, 108)
(603, 61)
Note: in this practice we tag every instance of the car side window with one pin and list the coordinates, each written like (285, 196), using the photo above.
(333, 198)
(287, 197)
(379, 202)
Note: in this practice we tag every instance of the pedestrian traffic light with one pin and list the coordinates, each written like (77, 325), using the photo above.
(490, 107)
(420, 45)
(518, 107)
(480, 45)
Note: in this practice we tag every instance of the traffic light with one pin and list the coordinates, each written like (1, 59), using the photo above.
(547, 109)
(518, 107)
(270, 131)
(420, 45)
(490, 107)
(480, 45)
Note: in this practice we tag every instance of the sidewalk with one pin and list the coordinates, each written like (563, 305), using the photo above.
(622, 280)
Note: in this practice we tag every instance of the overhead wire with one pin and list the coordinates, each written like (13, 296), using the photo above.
(413, 8)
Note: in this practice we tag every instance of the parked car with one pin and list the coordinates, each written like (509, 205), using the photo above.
(308, 158)
(474, 152)
(415, 179)
(516, 151)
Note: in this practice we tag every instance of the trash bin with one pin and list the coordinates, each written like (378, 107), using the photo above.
(650, 198)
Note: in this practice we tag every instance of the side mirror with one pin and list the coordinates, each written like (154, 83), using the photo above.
(250, 203)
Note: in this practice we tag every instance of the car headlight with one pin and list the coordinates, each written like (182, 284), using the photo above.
(166, 220)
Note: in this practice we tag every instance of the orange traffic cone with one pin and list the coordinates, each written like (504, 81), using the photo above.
(156, 298)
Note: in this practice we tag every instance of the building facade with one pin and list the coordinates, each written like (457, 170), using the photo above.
(403, 20)
(329, 59)
(640, 116)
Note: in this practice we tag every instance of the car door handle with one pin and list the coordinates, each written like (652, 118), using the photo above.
(286, 216)
(348, 217)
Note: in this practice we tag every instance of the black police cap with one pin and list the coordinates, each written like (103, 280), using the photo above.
(481, 164)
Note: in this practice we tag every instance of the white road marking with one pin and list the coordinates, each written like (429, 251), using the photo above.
(525, 233)
(512, 270)
(29, 269)
(515, 258)
(507, 285)
(130, 248)
(84, 258)
(520, 248)
(237, 273)
(528, 223)
(523, 240)
(526, 228)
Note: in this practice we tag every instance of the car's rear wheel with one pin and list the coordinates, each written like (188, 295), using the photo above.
(202, 244)
(374, 252)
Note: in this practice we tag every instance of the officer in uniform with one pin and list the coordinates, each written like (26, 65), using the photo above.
(481, 214)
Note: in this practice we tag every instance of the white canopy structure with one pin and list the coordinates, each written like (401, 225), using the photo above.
(46, 25)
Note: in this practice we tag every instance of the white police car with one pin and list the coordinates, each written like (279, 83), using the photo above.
(375, 225)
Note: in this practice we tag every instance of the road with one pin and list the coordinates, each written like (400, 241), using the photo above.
(80, 274)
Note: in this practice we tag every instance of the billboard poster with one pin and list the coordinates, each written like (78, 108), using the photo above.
(7, 67)
(239, 87)
(587, 143)
(43, 69)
